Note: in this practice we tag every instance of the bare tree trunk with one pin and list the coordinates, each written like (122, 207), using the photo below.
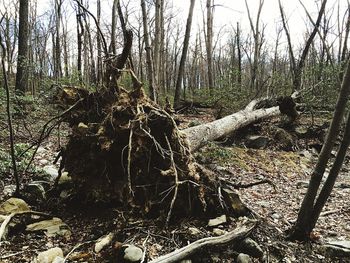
(99, 47)
(57, 61)
(209, 43)
(298, 66)
(113, 48)
(183, 56)
(201, 134)
(150, 70)
(303, 226)
(257, 36)
(80, 33)
(22, 59)
(239, 56)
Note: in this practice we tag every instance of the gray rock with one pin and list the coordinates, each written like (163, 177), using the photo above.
(217, 221)
(257, 142)
(52, 227)
(51, 170)
(50, 255)
(186, 261)
(132, 253)
(13, 205)
(103, 242)
(251, 248)
(35, 192)
(243, 258)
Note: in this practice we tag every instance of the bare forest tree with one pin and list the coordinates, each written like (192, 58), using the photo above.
(180, 76)
(22, 58)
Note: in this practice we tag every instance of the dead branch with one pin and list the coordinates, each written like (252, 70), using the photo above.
(5, 223)
(233, 236)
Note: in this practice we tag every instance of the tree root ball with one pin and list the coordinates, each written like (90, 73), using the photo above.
(126, 149)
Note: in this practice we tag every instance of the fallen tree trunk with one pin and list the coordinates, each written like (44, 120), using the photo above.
(199, 135)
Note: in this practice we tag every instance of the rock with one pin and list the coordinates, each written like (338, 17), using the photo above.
(219, 232)
(257, 142)
(50, 255)
(13, 205)
(284, 138)
(103, 242)
(194, 231)
(233, 201)
(132, 253)
(52, 171)
(51, 227)
(9, 190)
(186, 261)
(217, 221)
(250, 247)
(243, 258)
(35, 192)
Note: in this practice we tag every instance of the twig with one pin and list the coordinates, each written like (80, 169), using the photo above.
(184, 252)
(144, 248)
(97, 25)
(75, 248)
(240, 185)
(129, 161)
(43, 135)
(12, 254)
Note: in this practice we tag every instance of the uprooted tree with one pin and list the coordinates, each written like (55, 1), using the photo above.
(124, 148)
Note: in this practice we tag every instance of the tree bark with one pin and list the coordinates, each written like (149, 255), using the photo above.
(183, 56)
(22, 59)
(199, 135)
(303, 226)
(150, 69)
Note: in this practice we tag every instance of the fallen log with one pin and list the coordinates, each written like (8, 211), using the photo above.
(233, 236)
(199, 135)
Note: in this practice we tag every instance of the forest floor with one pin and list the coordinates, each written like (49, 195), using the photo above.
(285, 169)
